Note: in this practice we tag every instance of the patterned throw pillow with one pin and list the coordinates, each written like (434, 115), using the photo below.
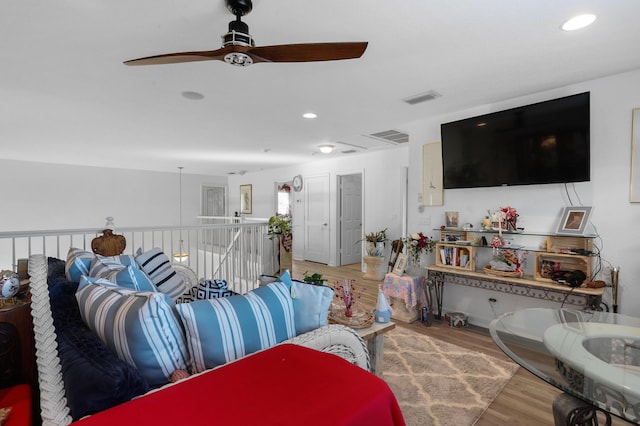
(158, 267)
(206, 289)
(140, 327)
(78, 263)
(225, 329)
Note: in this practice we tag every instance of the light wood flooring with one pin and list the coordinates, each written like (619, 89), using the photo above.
(525, 399)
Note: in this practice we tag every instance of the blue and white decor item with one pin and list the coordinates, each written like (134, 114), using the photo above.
(9, 284)
(383, 310)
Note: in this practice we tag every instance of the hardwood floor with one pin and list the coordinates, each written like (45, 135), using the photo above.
(525, 399)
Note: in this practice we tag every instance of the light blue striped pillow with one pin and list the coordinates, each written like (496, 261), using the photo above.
(158, 267)
(78, 263)
(223, 330)
(130, 276)
(139, 327)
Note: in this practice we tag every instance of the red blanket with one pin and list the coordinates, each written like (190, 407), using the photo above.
(284, 385)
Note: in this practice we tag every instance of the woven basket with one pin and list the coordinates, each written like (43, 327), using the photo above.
(512, 274)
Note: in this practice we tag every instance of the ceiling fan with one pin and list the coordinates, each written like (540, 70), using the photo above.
(238, 47)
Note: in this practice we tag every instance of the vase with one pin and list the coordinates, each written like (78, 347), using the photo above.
(348, 311)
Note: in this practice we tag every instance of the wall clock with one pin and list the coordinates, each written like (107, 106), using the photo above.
(297, 183)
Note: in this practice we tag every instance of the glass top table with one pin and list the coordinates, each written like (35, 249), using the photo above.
(594, 356)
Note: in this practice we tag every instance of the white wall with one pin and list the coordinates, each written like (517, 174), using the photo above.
(383, 175)
(41, 196)
(539, 206)
(44, 196)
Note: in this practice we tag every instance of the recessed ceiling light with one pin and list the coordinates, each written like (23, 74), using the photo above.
(578, 22)
(309, 115)
(194, 96)
(326, 149)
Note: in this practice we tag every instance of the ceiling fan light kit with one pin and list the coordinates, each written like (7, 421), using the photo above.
(238, 47)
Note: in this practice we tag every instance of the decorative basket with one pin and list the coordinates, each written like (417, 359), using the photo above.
(360, 319)
(512, 274)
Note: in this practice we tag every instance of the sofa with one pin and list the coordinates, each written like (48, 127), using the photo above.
(90, 357)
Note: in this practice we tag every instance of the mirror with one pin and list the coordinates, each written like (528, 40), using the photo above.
(634, 186)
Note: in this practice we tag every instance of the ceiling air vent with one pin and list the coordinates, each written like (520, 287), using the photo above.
(349, 151)
(393, 136)
(422, 97)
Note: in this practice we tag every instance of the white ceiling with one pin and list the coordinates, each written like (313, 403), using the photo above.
(66, 97)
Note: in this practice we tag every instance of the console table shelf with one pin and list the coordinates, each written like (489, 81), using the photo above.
(527, 286)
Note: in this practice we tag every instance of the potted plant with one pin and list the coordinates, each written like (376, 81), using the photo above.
(315, 278)
(375, 242)
(279, 227)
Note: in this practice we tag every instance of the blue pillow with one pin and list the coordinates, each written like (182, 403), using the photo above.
(310, 305)
(140, 327)
(225, 329)
(78, 263)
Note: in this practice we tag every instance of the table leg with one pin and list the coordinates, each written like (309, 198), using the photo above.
(436, 279)
(571, 411)
(375, 346)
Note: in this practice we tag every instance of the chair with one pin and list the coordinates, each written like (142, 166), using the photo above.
(396, 249)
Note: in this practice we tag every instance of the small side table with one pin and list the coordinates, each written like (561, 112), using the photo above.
(404, 292)
(374, 337)
(374, 267)
(17, 360)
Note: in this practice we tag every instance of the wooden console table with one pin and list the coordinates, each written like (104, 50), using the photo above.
(586, 297)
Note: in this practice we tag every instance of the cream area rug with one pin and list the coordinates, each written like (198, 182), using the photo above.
(438, 383)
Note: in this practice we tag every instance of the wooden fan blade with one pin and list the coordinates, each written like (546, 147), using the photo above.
(174, 58)
(307, 52)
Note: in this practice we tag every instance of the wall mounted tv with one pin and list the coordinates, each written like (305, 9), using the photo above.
(546, 142)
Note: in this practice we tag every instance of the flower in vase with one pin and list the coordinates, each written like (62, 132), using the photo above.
(347, 292)
(418, 243)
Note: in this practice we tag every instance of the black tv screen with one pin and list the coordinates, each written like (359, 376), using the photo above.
(546, 142)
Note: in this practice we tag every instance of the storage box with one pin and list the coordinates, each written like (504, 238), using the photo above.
(456, 319)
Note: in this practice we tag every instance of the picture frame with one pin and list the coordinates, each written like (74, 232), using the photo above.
(246, 199)
(574, 220)
(432, 186)
(401, 264)
(451, 219)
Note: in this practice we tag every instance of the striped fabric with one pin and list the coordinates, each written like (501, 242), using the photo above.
(123, 271)
(223, 330)
(139, 327)
(157, 266)
(78, 263)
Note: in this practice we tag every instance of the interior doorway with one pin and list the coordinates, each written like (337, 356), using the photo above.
(349, 218)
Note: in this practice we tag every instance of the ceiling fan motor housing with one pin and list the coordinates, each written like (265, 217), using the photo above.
(238, 35)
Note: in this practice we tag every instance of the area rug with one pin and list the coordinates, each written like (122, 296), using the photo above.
(438, 383)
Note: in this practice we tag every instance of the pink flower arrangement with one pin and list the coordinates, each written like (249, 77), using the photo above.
(346, 291)
(509, 212)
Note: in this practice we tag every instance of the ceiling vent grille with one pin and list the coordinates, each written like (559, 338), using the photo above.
(393, 136)
(422, 97)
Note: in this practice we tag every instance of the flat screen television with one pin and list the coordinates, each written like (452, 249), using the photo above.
(541, 143)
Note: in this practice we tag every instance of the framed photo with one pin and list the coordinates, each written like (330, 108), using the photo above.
(574, 220)
(245, 199)
(401, 264)
(451, 219)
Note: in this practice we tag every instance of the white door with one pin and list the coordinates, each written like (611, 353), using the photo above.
(316, 231)
(350, 218)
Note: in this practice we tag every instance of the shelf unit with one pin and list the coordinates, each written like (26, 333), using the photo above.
(558, 252)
